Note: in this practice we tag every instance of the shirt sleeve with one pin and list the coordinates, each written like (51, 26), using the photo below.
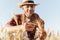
(16, 20)
(12, 22)
(40, 22)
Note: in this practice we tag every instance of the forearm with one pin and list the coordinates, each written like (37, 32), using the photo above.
(10, 29)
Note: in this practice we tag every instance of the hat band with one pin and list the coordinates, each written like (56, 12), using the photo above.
(28, 2)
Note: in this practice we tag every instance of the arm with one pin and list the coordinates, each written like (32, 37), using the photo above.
(39, 21)
(11, 29)
(40, 24)
(13, 25)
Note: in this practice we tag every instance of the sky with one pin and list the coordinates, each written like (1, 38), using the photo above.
(48, 10)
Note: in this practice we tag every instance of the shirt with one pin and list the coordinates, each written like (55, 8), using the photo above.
(19, 19)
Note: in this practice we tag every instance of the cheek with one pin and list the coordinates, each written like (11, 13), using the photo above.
(26, 10)
(33, 10)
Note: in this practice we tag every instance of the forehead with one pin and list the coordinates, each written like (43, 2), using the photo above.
(29, 5)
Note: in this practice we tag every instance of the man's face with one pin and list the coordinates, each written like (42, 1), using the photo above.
(28, 9)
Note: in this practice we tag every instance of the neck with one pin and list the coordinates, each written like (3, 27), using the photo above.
(28, 15)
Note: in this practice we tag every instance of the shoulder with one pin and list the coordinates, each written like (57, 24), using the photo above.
(35, 14)
(17, 15)
(38, 18)
(13, 20)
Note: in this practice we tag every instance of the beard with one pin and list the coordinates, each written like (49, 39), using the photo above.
(29, 13)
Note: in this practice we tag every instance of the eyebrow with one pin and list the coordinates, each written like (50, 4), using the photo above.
(29, 4)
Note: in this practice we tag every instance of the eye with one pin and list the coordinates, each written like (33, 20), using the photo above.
(27, 6)
(32, 6)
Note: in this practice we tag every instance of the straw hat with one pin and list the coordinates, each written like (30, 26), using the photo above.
(26, 2)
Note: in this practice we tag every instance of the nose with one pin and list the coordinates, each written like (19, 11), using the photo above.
(30, 8)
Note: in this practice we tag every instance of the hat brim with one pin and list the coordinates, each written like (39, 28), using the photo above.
(22, 4)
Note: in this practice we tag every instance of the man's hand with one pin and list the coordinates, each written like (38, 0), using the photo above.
(29, 26)
(42, 33)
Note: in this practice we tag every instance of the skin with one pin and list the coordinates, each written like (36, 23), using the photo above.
(28, 9)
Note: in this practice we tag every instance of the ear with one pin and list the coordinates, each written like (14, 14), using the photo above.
(22, 8)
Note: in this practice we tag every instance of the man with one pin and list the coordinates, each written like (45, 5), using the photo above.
(30, 20)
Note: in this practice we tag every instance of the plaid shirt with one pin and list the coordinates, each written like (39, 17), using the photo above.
(19, 19)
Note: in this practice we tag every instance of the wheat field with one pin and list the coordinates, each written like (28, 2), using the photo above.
(15, 36)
